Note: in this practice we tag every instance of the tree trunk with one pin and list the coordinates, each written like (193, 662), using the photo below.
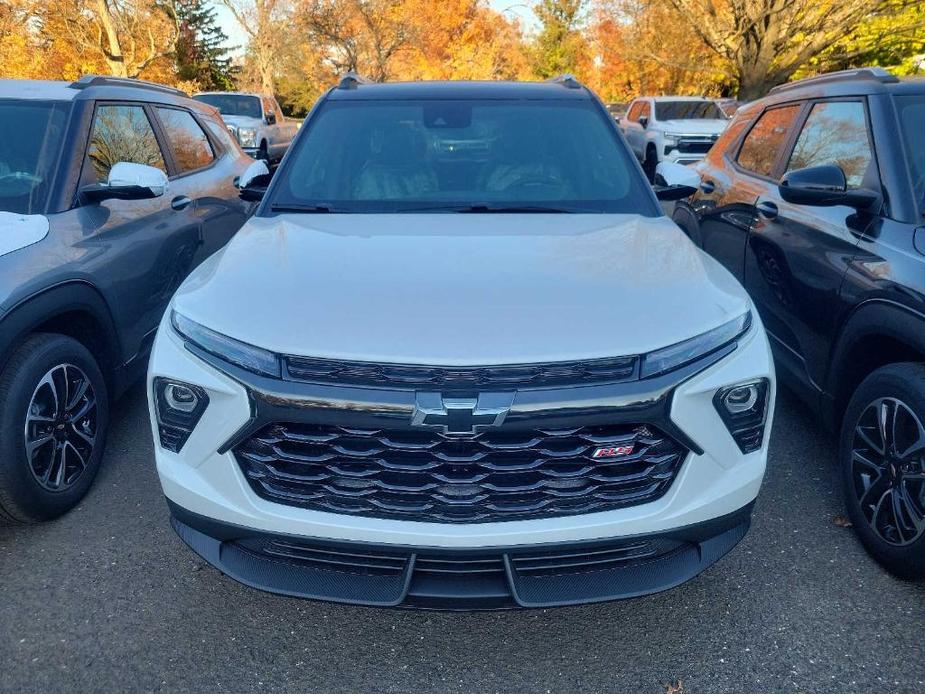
(112, 50)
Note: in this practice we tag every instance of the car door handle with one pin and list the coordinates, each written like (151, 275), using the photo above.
(707, 187)
(181, 202)
(767, 209)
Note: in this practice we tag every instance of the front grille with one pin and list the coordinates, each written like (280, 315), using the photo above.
(374, 560)
(695, 146)
(423, 475)
(572, 373)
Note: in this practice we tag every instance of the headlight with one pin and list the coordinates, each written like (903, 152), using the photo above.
(247, 137)
(677, 355)
(253, 359)
(670, 138)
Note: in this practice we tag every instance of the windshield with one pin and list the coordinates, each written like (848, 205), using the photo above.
(462, 156)
(684, 110)
(233, 104)
(32, 133)
(911, 117)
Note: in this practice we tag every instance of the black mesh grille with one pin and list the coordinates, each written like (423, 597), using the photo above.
(695, 146)
(427, 476)
(614, 370)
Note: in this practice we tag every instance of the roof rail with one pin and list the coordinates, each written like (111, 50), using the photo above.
(352, 80)
(567, 80)
(873, 74)
(109, 81)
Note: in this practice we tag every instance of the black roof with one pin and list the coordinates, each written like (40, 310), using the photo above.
(356, 89)
(859, 82)
(93, 87)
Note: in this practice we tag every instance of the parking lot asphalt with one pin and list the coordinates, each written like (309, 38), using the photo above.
(109, 599)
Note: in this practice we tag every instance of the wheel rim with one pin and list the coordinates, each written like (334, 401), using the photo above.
(61, 427)
(888, 470)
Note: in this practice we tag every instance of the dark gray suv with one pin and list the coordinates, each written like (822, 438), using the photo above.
(111, 191)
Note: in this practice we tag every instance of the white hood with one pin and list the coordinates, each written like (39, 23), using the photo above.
(461, 289)
(694, 126)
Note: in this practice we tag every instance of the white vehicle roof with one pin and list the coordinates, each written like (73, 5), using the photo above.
(46, 90)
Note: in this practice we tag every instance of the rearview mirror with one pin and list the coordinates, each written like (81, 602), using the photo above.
(675, 181)
(823, 186)
(128, 181)
(253, 183)
(271, 118)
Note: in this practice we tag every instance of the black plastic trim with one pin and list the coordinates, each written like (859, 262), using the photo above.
(410, 577)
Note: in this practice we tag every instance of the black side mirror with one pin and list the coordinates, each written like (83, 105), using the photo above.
(256, 188)
(644, 121)
(271, 118)
(823, 186)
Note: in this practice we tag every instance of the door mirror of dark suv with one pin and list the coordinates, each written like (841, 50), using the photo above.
(254, 181)
(675, 181)
(823, 186)
(128, 181)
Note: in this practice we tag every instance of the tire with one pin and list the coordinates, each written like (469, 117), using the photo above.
(43, 398)
(650, 163)
(884, 478)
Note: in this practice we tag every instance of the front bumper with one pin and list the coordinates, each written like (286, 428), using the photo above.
(676, 157)
(540, 576)
(715, 481)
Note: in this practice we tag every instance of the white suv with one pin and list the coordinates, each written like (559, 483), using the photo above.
(678, 129)
(460, 359)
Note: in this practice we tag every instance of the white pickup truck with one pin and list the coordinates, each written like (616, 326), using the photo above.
(678, 129)
(256, 121)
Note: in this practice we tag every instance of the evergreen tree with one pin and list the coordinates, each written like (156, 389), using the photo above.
(201, 54)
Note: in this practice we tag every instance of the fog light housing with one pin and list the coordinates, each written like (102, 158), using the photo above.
(179, 407)
(743, 407)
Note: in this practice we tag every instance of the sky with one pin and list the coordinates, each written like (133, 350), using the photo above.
(236, 37)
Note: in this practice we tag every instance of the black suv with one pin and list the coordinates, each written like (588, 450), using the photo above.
(815, 199)
(111, 191)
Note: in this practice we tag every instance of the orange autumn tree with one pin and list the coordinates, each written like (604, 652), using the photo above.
(644, 47)
(395, 40)
(64, 39)
(460, 39)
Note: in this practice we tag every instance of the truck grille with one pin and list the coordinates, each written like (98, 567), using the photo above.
(429, 476)
(695, 146)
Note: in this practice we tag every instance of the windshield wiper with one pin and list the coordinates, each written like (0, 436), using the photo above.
(497, 209)
(303, 208)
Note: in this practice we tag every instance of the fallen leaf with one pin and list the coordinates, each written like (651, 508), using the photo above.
(842, 521)
(675, 688)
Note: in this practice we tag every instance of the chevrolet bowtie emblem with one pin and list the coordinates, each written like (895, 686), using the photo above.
(461, 416)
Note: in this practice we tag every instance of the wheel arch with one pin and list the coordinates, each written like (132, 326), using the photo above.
(876, 333)
(75, 309)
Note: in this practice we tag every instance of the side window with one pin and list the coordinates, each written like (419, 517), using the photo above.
(220, 133)
(120, 133)
(725, 144)
(633, 113)
(645, 111)
(835, 133)
(188, 143)
(763, 144)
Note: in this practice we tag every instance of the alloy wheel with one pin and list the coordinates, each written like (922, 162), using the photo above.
(61, 427)
(888, 470)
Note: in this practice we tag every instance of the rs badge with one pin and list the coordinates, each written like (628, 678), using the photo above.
(612, 452)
